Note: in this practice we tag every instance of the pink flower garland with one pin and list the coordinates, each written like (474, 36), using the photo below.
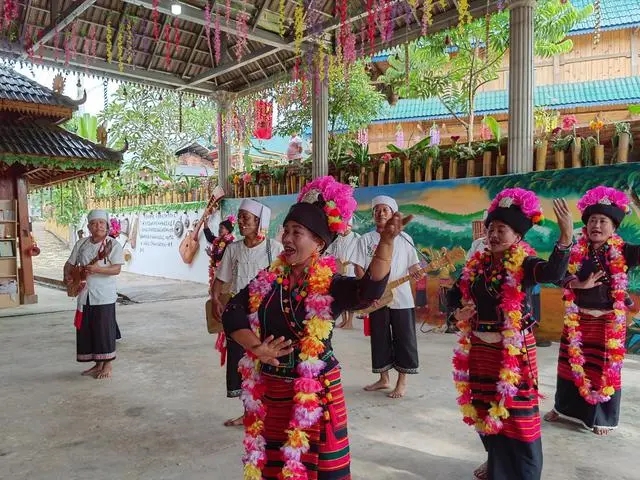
(513, 341)
(615, 330)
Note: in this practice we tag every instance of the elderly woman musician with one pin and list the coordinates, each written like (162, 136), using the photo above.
(296, 420)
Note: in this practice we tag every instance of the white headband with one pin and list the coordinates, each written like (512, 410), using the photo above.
(259, 210)
(385, 200)
(98, 215)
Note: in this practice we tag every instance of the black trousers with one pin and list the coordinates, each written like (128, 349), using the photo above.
(393, 340)
(96, 338)
(234, 381)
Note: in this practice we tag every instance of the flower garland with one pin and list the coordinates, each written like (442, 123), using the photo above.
(615, 330)
(307, 410)
(513, 342)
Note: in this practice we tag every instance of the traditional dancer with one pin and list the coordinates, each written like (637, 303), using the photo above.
(296, 421)
(393, 327)
(495, 367)
(100, 258)
(241, 262)
(596, 300)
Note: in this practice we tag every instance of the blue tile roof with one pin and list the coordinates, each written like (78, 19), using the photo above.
(616, 15)
(568, 95)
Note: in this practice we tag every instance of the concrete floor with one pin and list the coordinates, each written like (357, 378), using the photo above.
(160, 416)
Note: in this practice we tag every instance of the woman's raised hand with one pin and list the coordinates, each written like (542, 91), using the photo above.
(564, 219)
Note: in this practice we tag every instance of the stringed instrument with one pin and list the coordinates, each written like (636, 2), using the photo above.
(190, 243)
(78, 273)
(214, 325)
(387, 296)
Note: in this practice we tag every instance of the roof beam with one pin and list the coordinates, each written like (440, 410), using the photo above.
(259, 14)
(196, 15)
(158, 42)
(69, 15)
(104, 69)
(193, 52)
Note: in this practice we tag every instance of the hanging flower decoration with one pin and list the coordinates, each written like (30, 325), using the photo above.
(120, 49)
(242, 31)
(73, 46)
(427, 16)
(264, 120)
(67, 48)
(597, 15)
(207, 25)
(399, 137)
(362, 137)
(167, 45)
(464, 16)
(129, 43)
(385, 19)
(94, 41)
(9, 12)
(371, 25)
(227, 12)
(155, 17)
(281, 17)
(434, 133)
(109, 40)
(217, 46)
(176, 34)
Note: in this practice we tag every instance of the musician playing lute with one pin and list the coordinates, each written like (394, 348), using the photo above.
(93, 264)
(393, 327)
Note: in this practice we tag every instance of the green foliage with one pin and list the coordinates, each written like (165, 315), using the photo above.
(150, 124)
(353, 102)
(85, 126)
(454, 64)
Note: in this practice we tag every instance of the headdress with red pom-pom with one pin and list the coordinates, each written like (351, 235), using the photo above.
(517, 207)
(606, 201)
(325, 207)
(229, 223)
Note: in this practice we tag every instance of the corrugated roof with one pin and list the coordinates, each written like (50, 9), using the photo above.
(569, 95)
(17, 87)
(51, 141)
(616, 15)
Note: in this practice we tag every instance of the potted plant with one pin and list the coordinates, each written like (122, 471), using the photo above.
(545, 122)
(596, 125)
(622, 142)
(433, 156)
(560, 144)
(489, 144)
(569, 122)
(410, 156)
(382, 167)
(438, 169)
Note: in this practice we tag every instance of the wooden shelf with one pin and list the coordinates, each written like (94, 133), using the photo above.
(8, 221)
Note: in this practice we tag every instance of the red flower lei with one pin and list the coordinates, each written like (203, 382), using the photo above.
(513, 341)
(615, 331)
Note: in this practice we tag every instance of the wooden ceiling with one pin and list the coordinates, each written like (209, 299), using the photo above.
(189, 65)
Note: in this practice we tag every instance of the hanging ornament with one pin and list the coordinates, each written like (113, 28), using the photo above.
(74, 39)
(298, 25)
(67, 48)
(176, 35)
(92, 38)
(155, 17)
(263, 128)
(129, 42)
(217, 46)
(227, 12)
(464, 16)
(120, 49)
(427, 16)
(167, 45)
(399, 137)
(109, 40)
(207, 24)
(371, 25)
(242, 30)
(597, 15)
(281, 17)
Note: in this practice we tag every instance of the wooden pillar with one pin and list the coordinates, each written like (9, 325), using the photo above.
(320, 127)
(520, 159)
(24, 242)
(635, 51)
(223, 100)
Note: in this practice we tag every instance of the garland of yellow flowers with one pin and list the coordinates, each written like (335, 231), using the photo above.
(307, 409)
(615, 330)
(513, 340)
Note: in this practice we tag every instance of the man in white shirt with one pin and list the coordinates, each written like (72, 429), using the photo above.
(99, 258)
(294, 149)
(342, 249)
(393, 328)
(241, 262)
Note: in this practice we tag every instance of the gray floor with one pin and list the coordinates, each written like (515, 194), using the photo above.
(160, 416)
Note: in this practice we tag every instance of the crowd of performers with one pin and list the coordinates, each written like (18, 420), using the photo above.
(278, 303)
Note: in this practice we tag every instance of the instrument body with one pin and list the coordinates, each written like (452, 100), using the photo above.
(190, 243)
(78, 273)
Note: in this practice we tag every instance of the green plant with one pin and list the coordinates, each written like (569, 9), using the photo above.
(585, 152)
(621, 128)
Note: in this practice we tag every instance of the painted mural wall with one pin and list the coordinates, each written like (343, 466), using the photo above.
(151, 240)
(444, 210)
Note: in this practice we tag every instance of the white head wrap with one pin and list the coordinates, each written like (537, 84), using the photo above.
(98, 215)
(385, 200)
(259, 210)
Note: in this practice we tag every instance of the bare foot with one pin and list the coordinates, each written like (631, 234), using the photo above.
(234, 422)
(379, 385)
(105, 372)
(603, 431)
(482, 472)
(551, 416)
(91, 372)
(401, 387)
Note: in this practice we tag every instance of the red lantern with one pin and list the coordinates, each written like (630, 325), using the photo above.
(263, 128)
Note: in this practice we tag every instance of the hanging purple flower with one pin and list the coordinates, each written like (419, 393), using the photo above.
(434, 133)
(399, 137)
